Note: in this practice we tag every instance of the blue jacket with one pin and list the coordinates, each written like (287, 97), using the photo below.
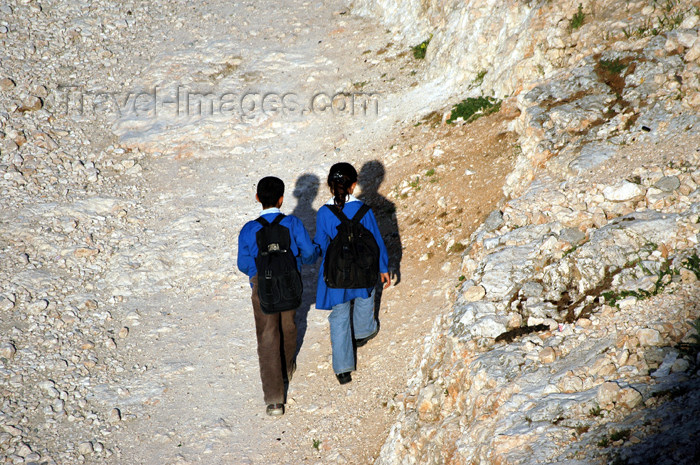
(326, 229)
(302, 247)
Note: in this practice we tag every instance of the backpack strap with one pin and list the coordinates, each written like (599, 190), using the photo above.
(264, 222)
(338, 213)
(360, 213)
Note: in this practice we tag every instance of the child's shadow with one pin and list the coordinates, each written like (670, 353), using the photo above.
(305, 192)
(370, 178)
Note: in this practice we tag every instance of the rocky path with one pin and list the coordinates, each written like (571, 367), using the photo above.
(193, 393)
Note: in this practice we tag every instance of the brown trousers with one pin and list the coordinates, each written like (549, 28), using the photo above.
(277, 344)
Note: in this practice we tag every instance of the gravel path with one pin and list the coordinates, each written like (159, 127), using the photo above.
(195, 394)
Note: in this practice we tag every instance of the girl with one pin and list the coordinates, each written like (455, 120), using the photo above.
(342, 180)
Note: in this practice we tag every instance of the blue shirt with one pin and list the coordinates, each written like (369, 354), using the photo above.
(326, 229)
(303, 249)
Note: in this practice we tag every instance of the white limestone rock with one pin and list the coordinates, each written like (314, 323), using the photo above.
(623, 192)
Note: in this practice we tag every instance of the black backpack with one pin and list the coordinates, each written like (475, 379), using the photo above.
(279, 280)
(352, 257)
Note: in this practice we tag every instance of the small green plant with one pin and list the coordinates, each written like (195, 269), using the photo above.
(605, 442)
(578, 18)
(473, 108)
(612, 298)
(430, 172)
(415, 184)
(596, 411)
(613, 66)
(479, 79)
(570, 251)
(457, 247)
(693, 264)
(462, 278)
(421, 49)
(316, 444)
(623, 434)
(642, 30)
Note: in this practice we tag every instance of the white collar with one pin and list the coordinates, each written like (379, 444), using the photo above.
(351, 198)
(270, 210)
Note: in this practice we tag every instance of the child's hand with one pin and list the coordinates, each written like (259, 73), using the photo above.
(386, 279)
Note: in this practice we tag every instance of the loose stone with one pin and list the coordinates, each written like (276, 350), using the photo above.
(623, 192)
(86, 448)
(115, 415)
(474, 293)
(8, 350)
(6, 84)
(668, 183)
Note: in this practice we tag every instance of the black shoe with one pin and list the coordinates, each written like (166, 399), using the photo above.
(344, 378)
(365, 340)
(275, 410)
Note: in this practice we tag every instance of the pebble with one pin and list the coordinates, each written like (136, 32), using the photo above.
(23, 450)
(547, 355)
(608, 394)
(493, 221)
(32, 103)
(693, 53)
(38, 306)
(668, 183)
(649, 337)
(8, 350)
(86, 448)
(573, 236)
(474, 293)
(630, 398)
(115, 415)
(6, 84)
(623, 192)
(85, 252)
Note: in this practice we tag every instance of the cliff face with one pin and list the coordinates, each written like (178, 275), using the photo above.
(492, 47)
(572, 339)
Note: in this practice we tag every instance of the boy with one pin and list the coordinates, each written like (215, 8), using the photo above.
(276, 333)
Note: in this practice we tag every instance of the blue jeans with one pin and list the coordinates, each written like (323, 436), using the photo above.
(364, 325)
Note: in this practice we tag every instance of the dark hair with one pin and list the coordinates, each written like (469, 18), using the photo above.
(340, 178)
(270, 190)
